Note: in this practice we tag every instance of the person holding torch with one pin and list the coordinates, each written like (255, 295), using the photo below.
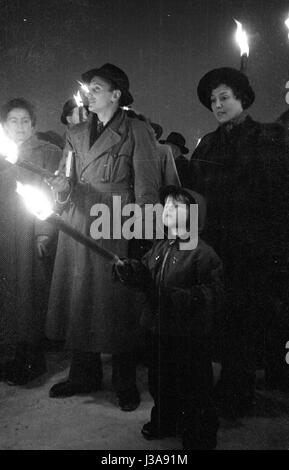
(26, 248)
(114, 156)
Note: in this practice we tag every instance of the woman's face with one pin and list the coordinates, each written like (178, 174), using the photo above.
(225, 105)
(18, 125)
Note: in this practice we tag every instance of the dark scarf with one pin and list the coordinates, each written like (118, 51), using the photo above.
(97, 127)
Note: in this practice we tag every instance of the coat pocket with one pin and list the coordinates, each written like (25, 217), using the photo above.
(116, 168)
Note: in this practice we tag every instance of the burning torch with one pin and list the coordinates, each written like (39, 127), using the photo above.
(39, 205)
(287, 25)
(242, 41)
(9, 150)
(79, 104)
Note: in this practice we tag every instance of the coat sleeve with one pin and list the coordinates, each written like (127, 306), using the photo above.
(146, 170)
(51, 158)
(168, 167)
(197, 307)
(199, 165)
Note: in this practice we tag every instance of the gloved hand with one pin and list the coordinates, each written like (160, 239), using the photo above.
(59, 184)
(124, 272)
(42, 246)
(133, 273)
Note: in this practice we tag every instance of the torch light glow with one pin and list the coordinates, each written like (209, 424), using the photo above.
(8, 148)
(78, 99)
(39, 205)
(287, 24)
(35, 200)
(242, 39)
(83, 87)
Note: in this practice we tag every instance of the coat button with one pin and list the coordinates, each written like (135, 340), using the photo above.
(82, 179)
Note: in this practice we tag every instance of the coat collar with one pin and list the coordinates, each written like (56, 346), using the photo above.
(32, 143)
(110, 136)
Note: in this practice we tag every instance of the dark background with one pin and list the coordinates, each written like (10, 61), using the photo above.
(165, 46)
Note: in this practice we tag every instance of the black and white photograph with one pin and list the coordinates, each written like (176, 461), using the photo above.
(144, 227)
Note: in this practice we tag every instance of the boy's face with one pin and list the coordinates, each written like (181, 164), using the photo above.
(175, 214)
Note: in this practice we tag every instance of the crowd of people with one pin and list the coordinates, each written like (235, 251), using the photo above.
(223, 299)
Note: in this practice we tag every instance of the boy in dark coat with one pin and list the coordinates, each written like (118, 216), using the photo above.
(184, 285)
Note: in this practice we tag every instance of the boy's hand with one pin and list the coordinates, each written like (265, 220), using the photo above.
(124, 272)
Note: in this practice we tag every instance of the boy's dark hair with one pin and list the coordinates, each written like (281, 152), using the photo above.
(182, 195)
(177, 193)
(18, 103)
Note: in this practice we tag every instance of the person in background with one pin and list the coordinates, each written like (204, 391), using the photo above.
(70, 114)
(168, 167)
(184, 286)
(242, 170)
(177, 143)
(52, 137)
(27, 248)
(115, 156)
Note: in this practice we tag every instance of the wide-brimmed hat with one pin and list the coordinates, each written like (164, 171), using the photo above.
(177, 139)
(68, 107)
(158, 130)
(114, 74)
(227, 76)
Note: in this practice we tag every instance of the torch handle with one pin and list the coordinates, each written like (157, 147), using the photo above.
(244, 63)
(35, 169)
(59, 223)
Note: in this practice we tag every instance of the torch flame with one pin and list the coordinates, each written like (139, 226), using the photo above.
(78, 99)
(83, 87)
(8, 148)
(242, 39)
(287, 24)
(35, 201)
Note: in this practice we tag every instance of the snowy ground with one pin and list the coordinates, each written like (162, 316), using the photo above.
(29, 419)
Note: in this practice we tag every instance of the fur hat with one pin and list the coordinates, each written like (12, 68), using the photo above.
(228, 76)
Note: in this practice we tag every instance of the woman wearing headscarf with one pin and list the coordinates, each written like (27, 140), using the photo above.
(241, 169)
(26, 249)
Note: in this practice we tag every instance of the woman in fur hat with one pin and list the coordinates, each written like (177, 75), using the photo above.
(241, 169)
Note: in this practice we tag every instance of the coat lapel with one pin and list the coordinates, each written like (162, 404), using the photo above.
(110, 137)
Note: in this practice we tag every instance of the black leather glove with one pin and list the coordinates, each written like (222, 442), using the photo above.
(132, 272)
(124, 272)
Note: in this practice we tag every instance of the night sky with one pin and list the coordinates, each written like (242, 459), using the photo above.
(165, 46)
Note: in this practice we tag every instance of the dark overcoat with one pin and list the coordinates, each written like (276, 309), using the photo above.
(87, 307)
(242, 170)
(24, 277)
